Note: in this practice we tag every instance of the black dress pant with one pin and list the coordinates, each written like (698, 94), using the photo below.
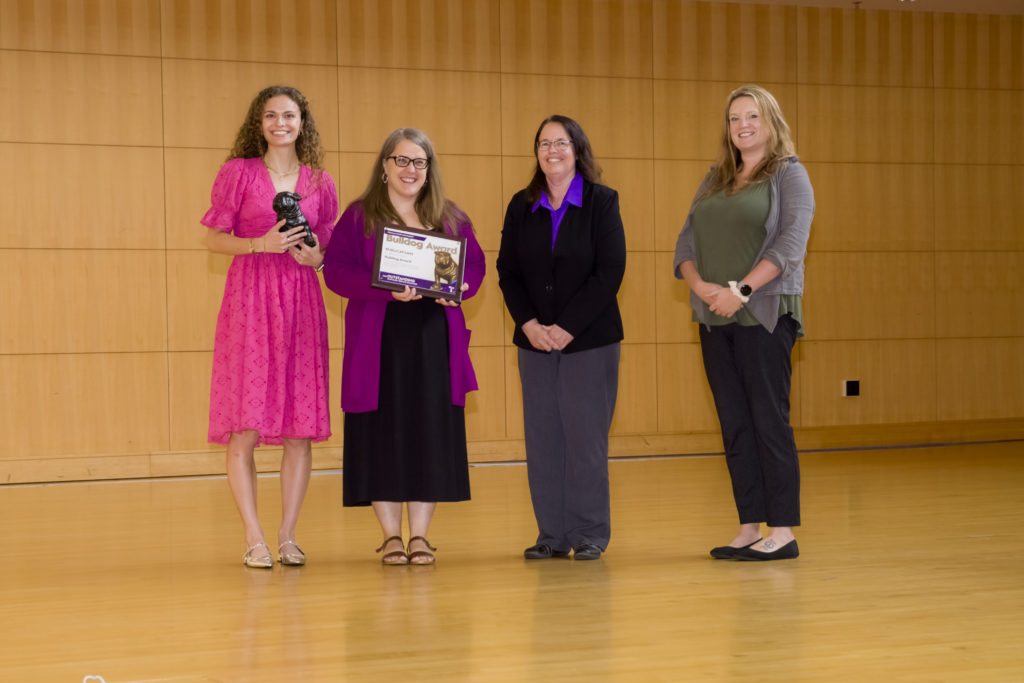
(749, 370)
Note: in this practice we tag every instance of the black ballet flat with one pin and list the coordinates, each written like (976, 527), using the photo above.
(786, 552)
(728, 552)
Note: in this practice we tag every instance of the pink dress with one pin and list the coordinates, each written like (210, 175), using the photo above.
(270, 353)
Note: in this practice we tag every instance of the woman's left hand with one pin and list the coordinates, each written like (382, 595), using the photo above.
(308, 256)
(455, 304)
(725, 303)
(559, 336)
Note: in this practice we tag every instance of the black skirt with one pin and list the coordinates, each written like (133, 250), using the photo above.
(413, 447)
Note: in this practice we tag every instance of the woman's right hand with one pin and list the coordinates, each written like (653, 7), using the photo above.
(407, 294)
(708, 291)
(274, 242)
(538, 335)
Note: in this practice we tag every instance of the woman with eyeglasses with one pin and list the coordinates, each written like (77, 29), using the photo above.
(406, 368)
(560, 264)
(741, 251)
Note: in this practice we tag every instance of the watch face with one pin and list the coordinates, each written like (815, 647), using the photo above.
(745, 290)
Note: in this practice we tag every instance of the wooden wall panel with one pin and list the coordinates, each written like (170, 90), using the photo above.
(980, 378)
(737, 43)
(845, 123)
(636, 405)
(485, 409)
(474, 183)
(195, 288)
(688, 117)
(188, 394)
(205, 102)
(979, 207)
(58, 301)
(77, 106)
(633, 179)
(189, 177)
(872, 207)
(980, 294)
(513, 394)
(577, 37)
(864, 47)
(672, 304)
(430, 34)
(484, 311)
(109, 197)
(119, 27)
(459, 111)
(870, 295)
(897, 382)
(979, 51)
(675, 185)
(102, 404)
(684, 399)
(971, 126)
(637, 303)
(615, 113)
(275, 31)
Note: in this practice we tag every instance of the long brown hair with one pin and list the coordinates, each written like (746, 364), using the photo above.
(586, 165)
(250, 143)
(433, 210)
(780, 142)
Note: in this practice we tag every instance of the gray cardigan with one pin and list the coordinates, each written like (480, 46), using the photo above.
(787, 229)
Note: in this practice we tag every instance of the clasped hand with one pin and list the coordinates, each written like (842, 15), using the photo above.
(720, 299)
(546, 337)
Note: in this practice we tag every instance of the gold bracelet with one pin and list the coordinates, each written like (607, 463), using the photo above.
(252, 249)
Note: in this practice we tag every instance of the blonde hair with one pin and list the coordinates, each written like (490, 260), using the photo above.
(432, 208)
(780, 142)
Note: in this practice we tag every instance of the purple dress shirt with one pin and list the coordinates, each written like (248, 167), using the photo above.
(574, 196)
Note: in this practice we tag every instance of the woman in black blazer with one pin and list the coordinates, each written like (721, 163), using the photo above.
(562, 257)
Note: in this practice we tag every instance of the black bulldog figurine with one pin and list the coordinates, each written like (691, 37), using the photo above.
(286, 206)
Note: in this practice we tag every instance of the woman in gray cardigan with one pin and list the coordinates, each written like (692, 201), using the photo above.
(742, 251)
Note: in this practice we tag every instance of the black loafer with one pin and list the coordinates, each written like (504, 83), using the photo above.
(786, 552)
(542, 551)
(587, 551)
(728, 552)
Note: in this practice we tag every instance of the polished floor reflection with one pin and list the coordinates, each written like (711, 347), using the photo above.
(912, 569)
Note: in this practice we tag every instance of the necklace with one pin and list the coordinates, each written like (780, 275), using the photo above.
(282, 174)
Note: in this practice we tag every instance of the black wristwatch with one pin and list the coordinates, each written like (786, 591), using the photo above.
(744, 288)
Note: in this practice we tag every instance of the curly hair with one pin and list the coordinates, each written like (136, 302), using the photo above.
(780, 142)
(432, 208)
(586, 165)
(250, 143)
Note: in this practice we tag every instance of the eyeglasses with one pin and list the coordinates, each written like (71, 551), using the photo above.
(557, 145)
(402, 162)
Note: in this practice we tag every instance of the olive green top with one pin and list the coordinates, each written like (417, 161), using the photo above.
(729, 231)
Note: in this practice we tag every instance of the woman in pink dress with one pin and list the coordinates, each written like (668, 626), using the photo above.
(270, 374)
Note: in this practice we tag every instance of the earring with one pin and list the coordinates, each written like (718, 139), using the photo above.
(384, 178)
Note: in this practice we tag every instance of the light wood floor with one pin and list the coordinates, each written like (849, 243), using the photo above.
(912, 569)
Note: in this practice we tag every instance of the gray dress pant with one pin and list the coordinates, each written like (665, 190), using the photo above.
(568, 403)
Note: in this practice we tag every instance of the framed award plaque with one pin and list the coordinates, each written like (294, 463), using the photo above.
(430, 262)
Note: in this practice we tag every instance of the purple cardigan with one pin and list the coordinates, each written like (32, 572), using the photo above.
(347, 265)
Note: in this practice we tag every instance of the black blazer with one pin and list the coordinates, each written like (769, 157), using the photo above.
(574, 285)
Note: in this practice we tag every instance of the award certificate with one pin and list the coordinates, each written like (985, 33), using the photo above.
(430, 262)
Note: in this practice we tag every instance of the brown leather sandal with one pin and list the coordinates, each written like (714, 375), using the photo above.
(426, 554)
(395, 557)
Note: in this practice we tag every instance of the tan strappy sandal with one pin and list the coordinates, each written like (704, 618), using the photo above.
(426, 556)
(395, 557)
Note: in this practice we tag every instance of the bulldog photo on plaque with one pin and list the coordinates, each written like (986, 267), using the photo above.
(430, 262)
